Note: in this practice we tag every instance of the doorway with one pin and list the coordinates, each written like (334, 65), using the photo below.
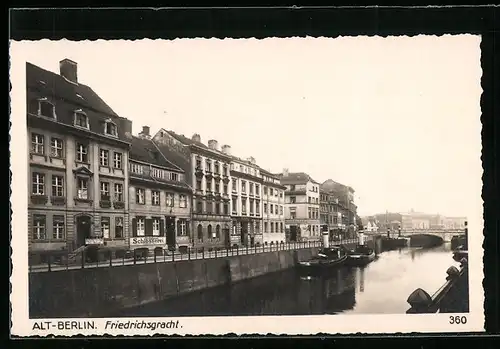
(170, 232)
(244, 233)
(83, 228)
(294, 232)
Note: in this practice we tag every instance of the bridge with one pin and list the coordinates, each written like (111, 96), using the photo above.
(444, 234)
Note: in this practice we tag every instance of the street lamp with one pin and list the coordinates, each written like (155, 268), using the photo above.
(388, 232)
(399, 231)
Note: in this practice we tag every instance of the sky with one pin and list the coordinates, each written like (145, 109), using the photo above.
(397, 118)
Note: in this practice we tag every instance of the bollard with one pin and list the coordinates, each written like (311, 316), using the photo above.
(48, 262)
(189, 253)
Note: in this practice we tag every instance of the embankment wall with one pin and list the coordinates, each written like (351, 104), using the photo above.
(97, 292)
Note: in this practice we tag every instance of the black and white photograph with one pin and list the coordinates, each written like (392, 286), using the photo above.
(213, 186)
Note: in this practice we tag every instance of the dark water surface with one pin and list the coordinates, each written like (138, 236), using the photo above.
(381, 287)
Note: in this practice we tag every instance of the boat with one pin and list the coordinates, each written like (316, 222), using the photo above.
(326, 259)
(360, 255)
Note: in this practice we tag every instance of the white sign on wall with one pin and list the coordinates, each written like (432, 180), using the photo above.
(148, 240)
(94, 241)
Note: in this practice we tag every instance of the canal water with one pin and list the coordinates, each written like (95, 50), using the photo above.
(382, 287)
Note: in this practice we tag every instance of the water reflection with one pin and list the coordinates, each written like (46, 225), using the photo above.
(381, 287)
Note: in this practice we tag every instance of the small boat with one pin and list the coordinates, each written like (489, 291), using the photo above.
(326, 259)
(360, 255)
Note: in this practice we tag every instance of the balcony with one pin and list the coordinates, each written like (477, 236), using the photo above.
(198, 172)
(225, 179)
(39, 199)
(58, 200)
(119, 205)
(209, 175)
(105, 203)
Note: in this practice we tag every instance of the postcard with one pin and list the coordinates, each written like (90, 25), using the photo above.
(274, 186)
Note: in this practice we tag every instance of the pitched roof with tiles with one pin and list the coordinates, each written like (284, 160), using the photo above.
(295, 178)
(145, 150)
(68, 97)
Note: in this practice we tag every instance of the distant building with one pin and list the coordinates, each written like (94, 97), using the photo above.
(370, 224)
(345, 196)
(207, 173)
(302, 218)
(78, 161)
(160, 200)
(331, 213)
(412, 220)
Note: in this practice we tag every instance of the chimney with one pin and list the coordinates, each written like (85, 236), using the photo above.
(145, 132)
(68, 70)
(127, 127)
(213, 144)
(251, 159)
(196, 137)
(226, 149)
(285, 172)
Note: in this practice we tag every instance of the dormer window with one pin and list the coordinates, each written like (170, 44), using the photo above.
(110, 128)
(46, 108)
(81, 119)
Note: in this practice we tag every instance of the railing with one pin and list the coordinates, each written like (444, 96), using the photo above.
(104, 258)
(421, 302)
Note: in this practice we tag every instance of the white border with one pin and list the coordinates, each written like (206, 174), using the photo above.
(330, 324)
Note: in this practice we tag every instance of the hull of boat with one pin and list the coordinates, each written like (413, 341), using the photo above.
(313, 267)
(355, 259)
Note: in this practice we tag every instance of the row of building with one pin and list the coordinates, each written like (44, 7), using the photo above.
(92, 182)
(412, 221)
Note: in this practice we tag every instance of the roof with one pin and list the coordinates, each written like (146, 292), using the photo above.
(331, 185)
(145, 150)
(68, 97)
(295, 178)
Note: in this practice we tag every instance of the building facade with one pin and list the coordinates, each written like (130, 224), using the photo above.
(207, 172)
(160, 200)
(331, 213)
(345, 196)
(302, 206)
(273, 209)
(246, 201)
(78, 160)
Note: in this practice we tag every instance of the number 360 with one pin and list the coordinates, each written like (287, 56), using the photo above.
(458, 320)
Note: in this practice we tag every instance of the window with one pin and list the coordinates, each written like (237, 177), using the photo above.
(38, 183)
(235, 205)
(281, 193)
(156, 227)
(217, 208)
(181, 228)
(58, 228)
(103, 157)
(275, 192)
(140, 227)
(39, 227)
(200, 232)
(81, 153)
(226, 189)
(257, 228)
(110, 129)
(174, 176)
(271, 209)
(82, 188)
(272, 227)
(209, 185)
(56, 147)
(57, 186)
(81, 119)
(309, 213)
(170, 200)
(208, 165)
(155, 198)
(234, 184)
(182, 201)
(243, 186)
(226, 208)
(293, 213)
(265, 190)
(217, 187)
(251, 188)
(209, 207)
(117, 160)
(216, 167)
(198, 163)
(37, 144)
(293, 199)
(210, 233)
(257, 189)
(265, 227)
(140, 196)
(118, 191)
(281, 209)
(136, 168)
(257, 207)
(281, 227)
(251, 206)
(118, 227)
(45, 108)
(199, 206)
(224, 168)
(243, 206)
(265, 208)
(217, 231)
(105, 191)
(105, 227)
